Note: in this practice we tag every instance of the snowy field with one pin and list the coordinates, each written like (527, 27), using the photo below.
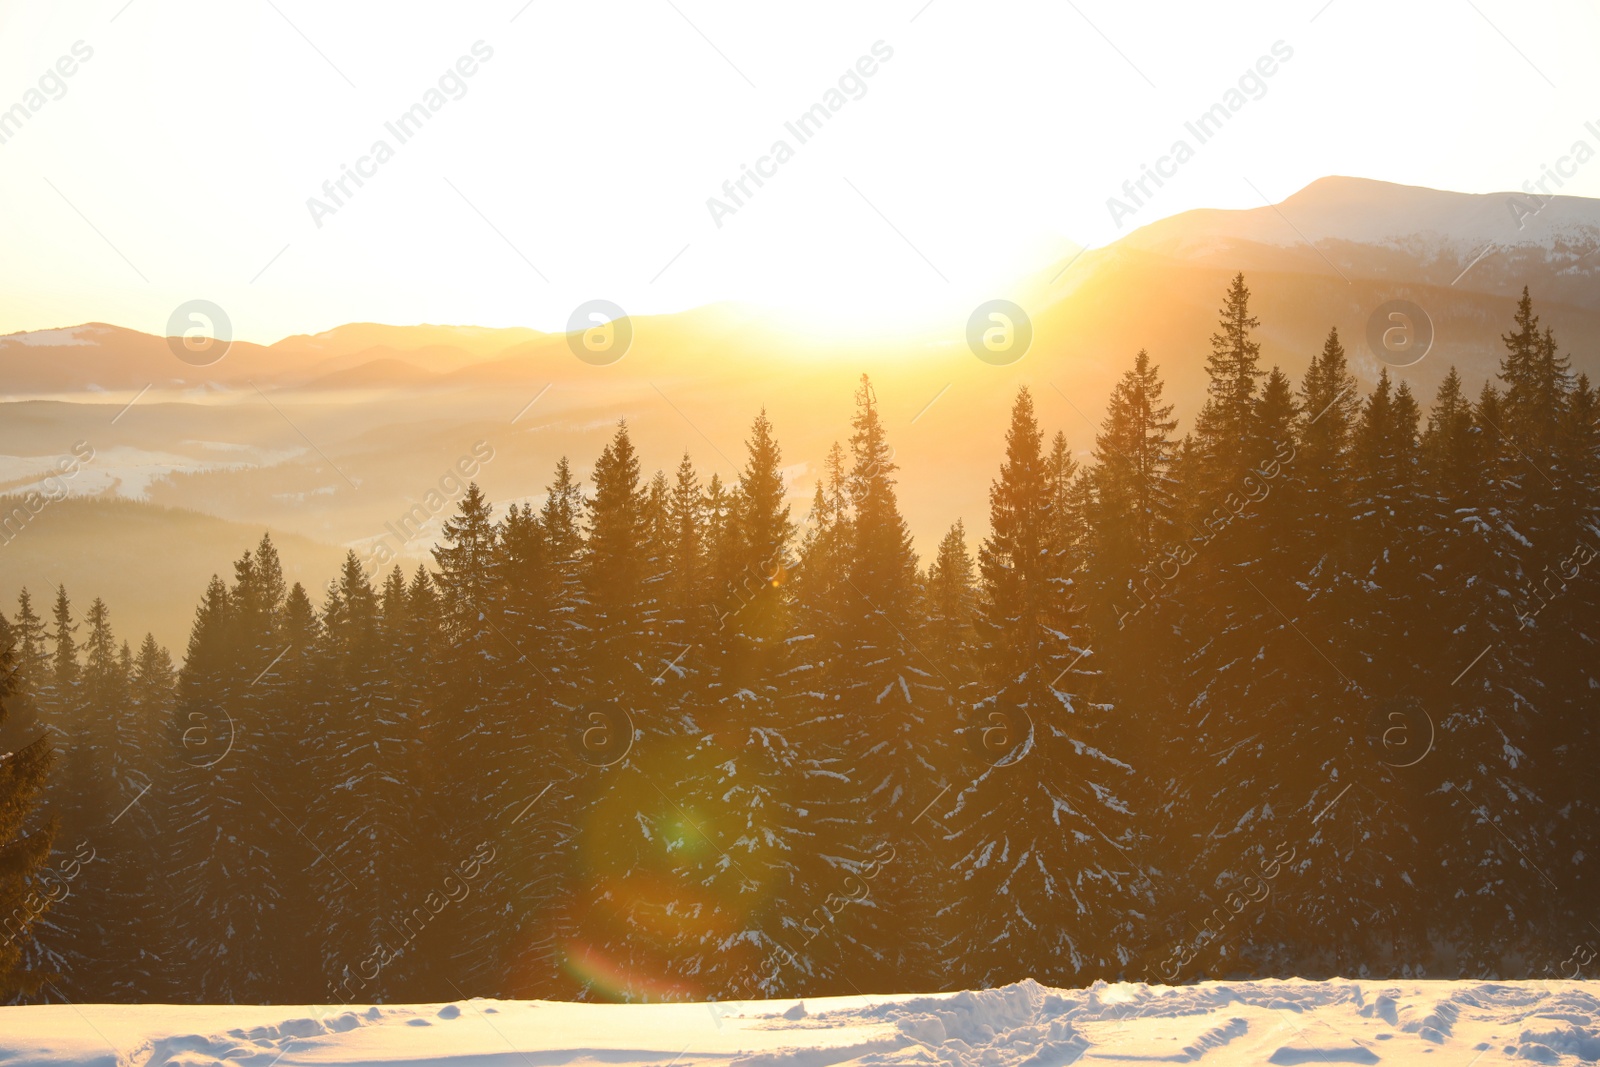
(1445, 1024)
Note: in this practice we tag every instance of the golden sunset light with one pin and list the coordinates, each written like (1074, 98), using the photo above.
(673, 533)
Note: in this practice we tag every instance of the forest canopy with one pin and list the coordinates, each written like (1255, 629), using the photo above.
(1307, 690)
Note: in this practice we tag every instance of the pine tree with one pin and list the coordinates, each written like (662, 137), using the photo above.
(304, 687)
(96, 926)
(1067, 536)
(820, 587)
(367, 760)
(79, 797)
(951, 603)
(1270, 526)
(883, 685)
(65, 669)
(615, 570)
(736, 818)
(1537, 381)
(1226, 435)
(528, 895)
(751, 533)
(1529, 623)
(561, 523)
(101, 662)
(1567, 662)
(225, 833)
(32, 659)
(728, 587)
(624, 726)
(1328, 411)
(1040, 830)
(1134, 454)
(1017, 592)
(1464, 578)
(1236, 676)
(25, 844)
(465, 565)
(878, 655)
(467, 559)
(1385, 462)
(685, 619)
(153, 675)
(1136, 549)
(23, 641)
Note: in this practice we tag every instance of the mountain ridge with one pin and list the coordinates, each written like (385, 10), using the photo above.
(331, 435)
(1346, 211)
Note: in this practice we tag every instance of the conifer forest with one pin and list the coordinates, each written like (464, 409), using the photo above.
(1305, 689)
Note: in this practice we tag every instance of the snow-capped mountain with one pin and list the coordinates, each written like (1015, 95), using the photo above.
(1379, 230)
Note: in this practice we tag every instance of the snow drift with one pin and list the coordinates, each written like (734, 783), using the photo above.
(1021, 1025)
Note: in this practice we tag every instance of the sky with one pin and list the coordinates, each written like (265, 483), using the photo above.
(579, 152)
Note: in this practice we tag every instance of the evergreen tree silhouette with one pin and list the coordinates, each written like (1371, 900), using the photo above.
(1328, 643)
(1040, 830)
(25, 841)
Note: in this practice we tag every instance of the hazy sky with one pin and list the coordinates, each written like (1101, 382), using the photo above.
(575, 162)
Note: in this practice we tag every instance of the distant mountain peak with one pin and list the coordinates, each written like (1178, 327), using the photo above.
(89, 333)
(1354, 228)
(1369, 211)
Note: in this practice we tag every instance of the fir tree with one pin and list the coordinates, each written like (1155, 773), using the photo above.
(615, 570)
(1133, 489)
(1329, 407)
(25, 844)
(32, 659)
(740, 753)
(1226, 435)
(685, 619)
(883, 686)
(951, 599)
(366, 757)
(65, 668)
(465, 564)
(102, 925)
(1040, 830)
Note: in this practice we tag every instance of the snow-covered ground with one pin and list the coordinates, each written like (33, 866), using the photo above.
(1444, 1024)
